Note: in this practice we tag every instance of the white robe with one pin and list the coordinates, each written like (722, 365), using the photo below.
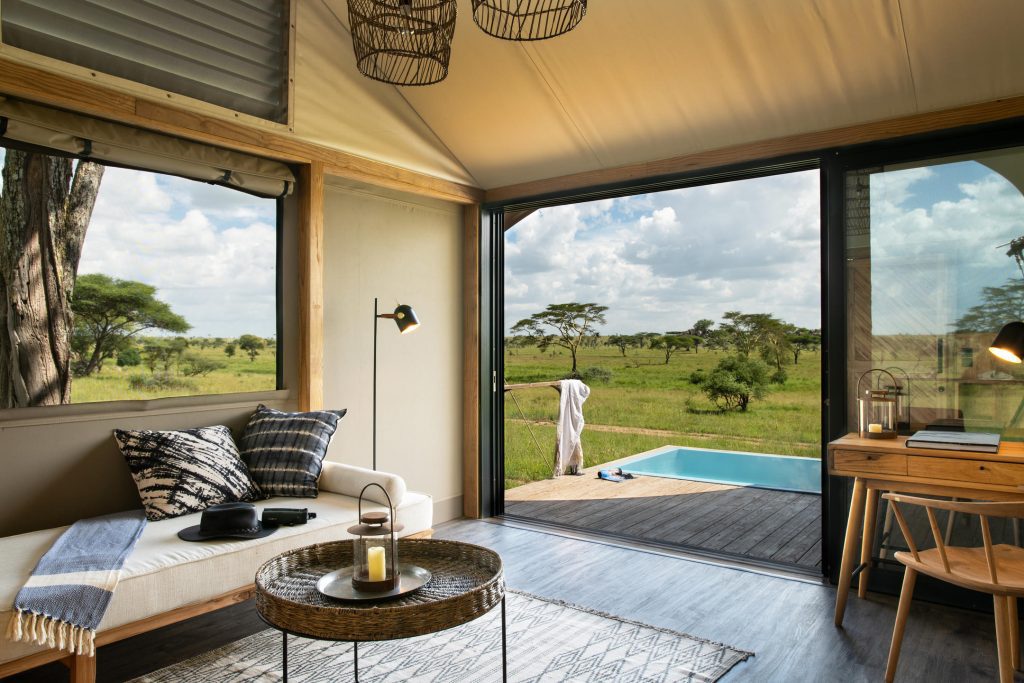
(568, 448)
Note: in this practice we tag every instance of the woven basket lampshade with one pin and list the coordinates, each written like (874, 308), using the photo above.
(528, 19)
(402, 42)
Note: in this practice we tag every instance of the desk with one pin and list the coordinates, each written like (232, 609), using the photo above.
(878, 465)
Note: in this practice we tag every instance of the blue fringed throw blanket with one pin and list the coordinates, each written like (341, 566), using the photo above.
(64, 600)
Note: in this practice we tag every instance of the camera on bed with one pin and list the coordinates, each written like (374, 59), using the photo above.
(286, 516)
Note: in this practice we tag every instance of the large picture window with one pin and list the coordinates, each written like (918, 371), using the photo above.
(120, 284)
(935, 267)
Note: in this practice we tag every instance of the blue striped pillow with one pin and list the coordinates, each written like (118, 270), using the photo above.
(285, 451)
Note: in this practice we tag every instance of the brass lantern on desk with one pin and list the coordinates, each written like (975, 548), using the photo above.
(877, 404)
(375, 555)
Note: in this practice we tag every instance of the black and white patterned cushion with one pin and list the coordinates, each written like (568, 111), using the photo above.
(185, 471)
(285, 451)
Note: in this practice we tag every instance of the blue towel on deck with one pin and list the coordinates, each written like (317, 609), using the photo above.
(64, 600)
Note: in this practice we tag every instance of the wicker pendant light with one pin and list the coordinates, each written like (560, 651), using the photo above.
(402, 42)
(528, 19)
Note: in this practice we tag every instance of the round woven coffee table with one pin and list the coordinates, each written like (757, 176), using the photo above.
(467, 582)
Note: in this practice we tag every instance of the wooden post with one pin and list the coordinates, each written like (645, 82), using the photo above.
(311, 286)
(82, 669)
(471, 362)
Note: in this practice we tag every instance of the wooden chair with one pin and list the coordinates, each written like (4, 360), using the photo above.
(994, 569)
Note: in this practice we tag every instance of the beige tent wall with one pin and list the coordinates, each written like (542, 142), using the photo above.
(402, 250)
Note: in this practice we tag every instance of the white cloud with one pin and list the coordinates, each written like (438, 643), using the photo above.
(662, 261)
(214, 263)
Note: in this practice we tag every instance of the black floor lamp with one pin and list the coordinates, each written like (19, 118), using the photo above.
(407, 321)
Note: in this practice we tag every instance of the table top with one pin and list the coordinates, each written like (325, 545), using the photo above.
(467, 581)
(1009, 451)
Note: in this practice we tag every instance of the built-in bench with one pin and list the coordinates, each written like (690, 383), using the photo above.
(166, 580)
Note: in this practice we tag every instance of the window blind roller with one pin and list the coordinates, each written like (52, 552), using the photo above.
(121, 145)
(227, 52)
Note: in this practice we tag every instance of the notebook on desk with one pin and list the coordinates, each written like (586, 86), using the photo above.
(982, 442)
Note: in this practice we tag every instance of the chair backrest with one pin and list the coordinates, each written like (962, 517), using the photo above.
(982, 510)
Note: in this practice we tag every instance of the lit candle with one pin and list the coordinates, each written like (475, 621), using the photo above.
(874, 428)
(375, 564)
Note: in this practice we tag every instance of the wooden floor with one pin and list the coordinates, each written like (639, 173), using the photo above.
(786, 622)
(762, 524)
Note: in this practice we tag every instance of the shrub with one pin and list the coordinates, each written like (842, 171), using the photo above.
(779, 376)
(195, 365)
(736, 381)
(697, 377)
(129, 358)
(158, 380)
(594, 375)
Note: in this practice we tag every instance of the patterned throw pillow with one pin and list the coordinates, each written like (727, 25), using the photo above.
(285, 451)
(185, 471)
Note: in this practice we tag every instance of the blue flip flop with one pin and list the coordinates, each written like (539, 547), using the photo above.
(609, 475)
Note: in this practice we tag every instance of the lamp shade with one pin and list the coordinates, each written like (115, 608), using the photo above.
(528, 19)
(403, 42)
(406, 318)
(1009, 343)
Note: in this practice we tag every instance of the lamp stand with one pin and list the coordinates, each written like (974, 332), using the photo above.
(375, 318)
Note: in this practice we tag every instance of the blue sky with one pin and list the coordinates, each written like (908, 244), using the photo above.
(210, 251)
(936, 243)
(662, 261)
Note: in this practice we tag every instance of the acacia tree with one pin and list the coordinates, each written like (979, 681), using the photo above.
(623, 342)
(700, 331)
(571, 323)
(251, 344)
(109, 312)
(45, 208)
(998, 305)
(670, 343)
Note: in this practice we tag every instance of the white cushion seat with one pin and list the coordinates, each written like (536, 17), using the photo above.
(163, 572)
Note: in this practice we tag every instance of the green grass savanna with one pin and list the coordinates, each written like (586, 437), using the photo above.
(644, 394)
(238, 374)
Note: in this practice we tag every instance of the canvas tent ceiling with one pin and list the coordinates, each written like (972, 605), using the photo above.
(640, 80)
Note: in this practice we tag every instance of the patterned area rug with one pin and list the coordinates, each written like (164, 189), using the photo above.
(547, 641)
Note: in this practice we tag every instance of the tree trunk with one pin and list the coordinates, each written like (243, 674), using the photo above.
(44, 214)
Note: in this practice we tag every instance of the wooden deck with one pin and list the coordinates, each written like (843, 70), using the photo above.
(755, 523)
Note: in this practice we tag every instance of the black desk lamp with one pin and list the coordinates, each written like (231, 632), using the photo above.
(1009, 343)
(407, 321)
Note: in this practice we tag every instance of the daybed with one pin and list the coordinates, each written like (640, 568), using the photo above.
(166, 579)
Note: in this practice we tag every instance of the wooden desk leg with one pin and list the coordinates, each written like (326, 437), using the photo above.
(1011, 610)
(867, 541)
(853, 526)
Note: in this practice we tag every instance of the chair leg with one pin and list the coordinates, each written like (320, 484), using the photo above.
(906, 594)
(867, 543)
(1003, 639)
(883, 549)
(1011, 612)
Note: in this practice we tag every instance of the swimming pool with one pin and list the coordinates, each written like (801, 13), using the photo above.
(781, 472)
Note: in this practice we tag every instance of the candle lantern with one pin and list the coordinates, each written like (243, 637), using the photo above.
(877, 404)
(902, 391)
(375, 555)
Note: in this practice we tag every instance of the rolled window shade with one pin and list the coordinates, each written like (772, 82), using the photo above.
(122, 145)
(228, 52)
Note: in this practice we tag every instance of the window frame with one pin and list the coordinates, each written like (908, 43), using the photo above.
(129, 407)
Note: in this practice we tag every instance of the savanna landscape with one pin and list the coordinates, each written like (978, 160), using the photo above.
(643, 398)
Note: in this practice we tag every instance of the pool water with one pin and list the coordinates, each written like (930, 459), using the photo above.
(781, 472)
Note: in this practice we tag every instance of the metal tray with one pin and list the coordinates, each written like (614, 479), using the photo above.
(338, 584)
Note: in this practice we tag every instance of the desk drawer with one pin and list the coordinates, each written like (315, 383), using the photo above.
(869, 463)
(974, 471)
